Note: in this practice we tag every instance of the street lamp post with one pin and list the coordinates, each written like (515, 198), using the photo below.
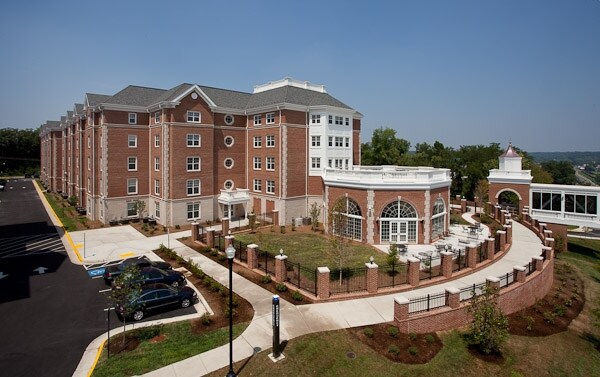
(230, 252)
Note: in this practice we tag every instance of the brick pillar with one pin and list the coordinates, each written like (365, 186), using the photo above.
(492, 282)
(225, 225)
(228, 241)
(372, 277)
(547, 234)
(252, 256)
(497, 212)
(401, 311)
(276, 217)
(414, 266)
(549, 242)
(538, 262)
(547, 252)
(323, 283)
(210, 237)
(280, 268)
(453, 297)
(490, 243)
(195, 228)
(446, 264)
(519, 273)
(542, 227)
(471, 256)
(463, 205)
(502, 235)
(508, 230)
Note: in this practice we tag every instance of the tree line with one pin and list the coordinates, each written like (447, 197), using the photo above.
(19, 151)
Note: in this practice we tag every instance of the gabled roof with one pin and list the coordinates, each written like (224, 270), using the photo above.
(96, 99)
(78, 109)
(293, 95)
(137, 96)
(227, 98)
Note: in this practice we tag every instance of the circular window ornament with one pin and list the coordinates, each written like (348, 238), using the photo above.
(228, 184)
(229, 119)
(194, 95)
(229, 141)
(228, 163)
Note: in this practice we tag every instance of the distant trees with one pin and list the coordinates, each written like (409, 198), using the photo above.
(384, 148)
(19, 151)
(562, 172)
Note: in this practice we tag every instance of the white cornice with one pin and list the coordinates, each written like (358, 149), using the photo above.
(110, 106)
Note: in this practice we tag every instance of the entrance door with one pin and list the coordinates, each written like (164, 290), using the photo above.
(226, 211)
(398, 231)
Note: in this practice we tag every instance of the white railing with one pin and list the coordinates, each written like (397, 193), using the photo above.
(495, 173)
(389, 174)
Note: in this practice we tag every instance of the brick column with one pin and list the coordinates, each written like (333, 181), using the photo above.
(549, 242)
(497, 212)
(228, 241)
(502, 235)
(225, 225)
(508, 230)
(372, 277)
(401, 310)
(195, 227)
(323, 283)
(276, 217)
(414, 266)
(537, 262)
(547, 234)
(542, 227)
(210, 237)
(280, 268)
(446, 264)
(252, 256)
(453, 297)
(471, 256)
(490, 243)
(519, 273)
(463, 205)
(547, 252)
(492, 282)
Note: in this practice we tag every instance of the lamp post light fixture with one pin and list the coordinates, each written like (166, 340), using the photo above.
(230, 252)
(281, 252)
(371, 259)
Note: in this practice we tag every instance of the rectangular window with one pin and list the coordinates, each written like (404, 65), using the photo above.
(132, 163)
(270, 141)
(315, 141)
(270, 187)
(330, 163)
(330, 141)
(132, 141)
(193, 140)
(270, 163)
(339, 141)
(330, 119)
(193, 211)
(347, 121)
(339, 163)
(270, 118)
(257, 142)
(193, 164)
(315, 162)
(89, 142)
(131, 209)
(157, 210)
(156, 187)
(132, 118)
(157, 117)
(156, 140)
(193, 116)
(347, 140)
(193, 187)
(131, 186)
(315, 119)
(346, 164)
(257, 120)
(89, 163)
(339, 120)
(257, 185)
(257, 163)
(156, 164)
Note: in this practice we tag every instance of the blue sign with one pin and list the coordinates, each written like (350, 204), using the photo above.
(96, 272)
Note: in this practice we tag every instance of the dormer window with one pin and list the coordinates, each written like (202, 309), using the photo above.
(132, 118)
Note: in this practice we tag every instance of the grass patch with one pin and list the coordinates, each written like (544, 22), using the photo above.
(180, 343)
(69, 223)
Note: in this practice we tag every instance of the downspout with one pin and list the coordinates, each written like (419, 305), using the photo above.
(93, 180)
(307, 170)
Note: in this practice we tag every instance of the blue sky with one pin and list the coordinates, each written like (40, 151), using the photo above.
(459, 72)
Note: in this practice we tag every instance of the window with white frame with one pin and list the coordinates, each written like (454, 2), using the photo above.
(330, 163)
(315, 162)
(346, 164)
(315, 119)
(339, 141)
(193, 164)
(193, 140)
(157, 140)
(89, 142)
(339, 120)
(156, 164)
(193, 116)
(257, 142)
(132, 141)
(271, 163)
(257, 185)
(330, 119)
(228, 184)
(347, 142)
(132, 118)
(339, 163)
(157, 210)
(270, 118)
(347, 121)
(193, 187)
(132, 163)
(270, 187)
(257, 163)
(229, 140)
(132, 186)
(89, 163)
(228, 163)
(229, 119)
(131, 209)
(315, 141)
(156, 187)
(257, 120)
(330, 141)
(270, 141)
(193, 211)
(157, 117)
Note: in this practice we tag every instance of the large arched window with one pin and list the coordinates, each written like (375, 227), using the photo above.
(438, 220)
(347, 219)
(398, 223)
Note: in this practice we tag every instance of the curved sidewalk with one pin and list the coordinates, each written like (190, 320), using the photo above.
(305, 319)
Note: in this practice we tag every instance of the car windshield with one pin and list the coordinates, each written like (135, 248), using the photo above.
(128, 262)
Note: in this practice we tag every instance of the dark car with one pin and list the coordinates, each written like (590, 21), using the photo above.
(150, 275)
(115, 270)
(159, 297)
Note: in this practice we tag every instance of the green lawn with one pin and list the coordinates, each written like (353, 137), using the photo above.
(68, 222)
(310, 249)
(179, 344)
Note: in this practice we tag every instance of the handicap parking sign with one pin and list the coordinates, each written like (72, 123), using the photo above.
(96, 272)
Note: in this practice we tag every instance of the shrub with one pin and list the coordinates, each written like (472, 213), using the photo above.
(266, 279)
(368, 332)
(222, 257)
(214, 253)
(529, 321)
(489, 328)
(549, 317)
(205, 319)
(205, 249)
(412, 336)
(282, 229)
(234, 312)
(560, 310)
(145, 333)
(297, 296)
(281, 287)
(413, 350)
(214, 286)
(393, 349)
(568, 303)
(393, 331)
(429, 338)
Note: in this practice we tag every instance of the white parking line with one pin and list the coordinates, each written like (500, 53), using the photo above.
(105, 290)
(97, 277)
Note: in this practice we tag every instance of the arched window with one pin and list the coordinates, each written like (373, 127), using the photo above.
(438, 220)
(398, 223)
(348, 221)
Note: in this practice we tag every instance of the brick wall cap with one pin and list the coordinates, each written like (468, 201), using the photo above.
(413, 260)
(547, 231)
(490, 239)
(275, 210)
(195, 223)
(538, 257)
(519, 268)
(252, 246)
(229, 237)
(210, 229)
(463, 200)
(371, 265)
(501, 232)
(492, 279)
(447, 253)
(401, 300)
(225, 218)
(507, 226)
(452, 290)
(323, 270)
(543, 224)
(547, 247)
(549, 239)
(281, 257)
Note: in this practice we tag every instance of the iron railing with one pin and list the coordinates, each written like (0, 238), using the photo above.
(427, 303)
(352, 280)
(392, 275)
(302, 277)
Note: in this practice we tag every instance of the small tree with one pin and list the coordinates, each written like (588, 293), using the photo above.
(489, 329)
(315, 214)
(252, 222)
(392, 257)
(338, 229)
(73, 200)
(140, 206)
(126, 289)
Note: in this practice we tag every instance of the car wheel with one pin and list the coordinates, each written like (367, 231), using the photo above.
(138, 315)
(185, 302)
(175, 284)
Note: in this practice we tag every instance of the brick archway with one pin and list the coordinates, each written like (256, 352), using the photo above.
(521, 190)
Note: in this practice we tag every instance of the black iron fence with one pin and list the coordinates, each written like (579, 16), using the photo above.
(302, 277)
(348, 281)
(266, 262)
(475, 289)
(392, 275)
(497, 244)
(506, 279)
(459, 260)
(481, 255)
(431, 267)
(529, 268)
(427, 303)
